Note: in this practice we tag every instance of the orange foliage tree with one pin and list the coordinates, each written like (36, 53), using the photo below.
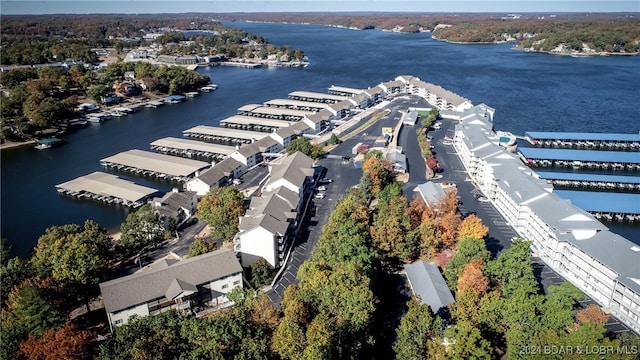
(64, 343)
(591, 314)
(472, 278)
(376, 168)
(472, 227)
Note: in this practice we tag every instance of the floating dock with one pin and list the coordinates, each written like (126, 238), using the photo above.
(591, 181)
(223, 135)
(240, 64)
(601, 141)
(605, 205)
(344, 91)
(316, 97)
(107, 188)
(274, 113)
(189, 148)
(297, 105)
(581, 159)
(156, 165)
(250, 123)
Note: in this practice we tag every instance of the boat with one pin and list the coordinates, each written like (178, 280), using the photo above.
(191, 94)
(47, 143)
(208, 88)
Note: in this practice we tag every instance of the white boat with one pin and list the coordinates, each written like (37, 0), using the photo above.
(208, 88)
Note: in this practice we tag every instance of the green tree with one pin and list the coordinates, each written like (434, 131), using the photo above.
(261, 273)
(467, 342)
(468, 249)
(333, 140)
(414, 331)
(142, 228)
(222, 208)
(96, 92)
(201, 246)
(303, 145)
(30, 310)
(289, 339)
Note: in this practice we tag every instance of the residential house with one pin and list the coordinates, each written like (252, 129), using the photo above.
(176, 206)
(220, 174)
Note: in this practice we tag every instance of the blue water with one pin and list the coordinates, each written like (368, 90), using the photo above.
(530, 92)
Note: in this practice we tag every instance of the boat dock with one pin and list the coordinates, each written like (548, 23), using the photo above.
(316, 97)
(156, 165)
(107, 188)
(47, 143)
(580, 159)
(344, 91)
(223, 136)
(594, 141)
(274, 113)
(297, 105)
(188, 148)
(251, 123)
(605, 205)
(591, 181)
(240, 64)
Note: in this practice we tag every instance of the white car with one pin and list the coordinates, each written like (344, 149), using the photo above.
(326, 180)
(322, 188)
(319, 196)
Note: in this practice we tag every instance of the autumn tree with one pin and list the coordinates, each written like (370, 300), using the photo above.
(66, 343)
(391, 231)
(592, 314)
(222, 208)
(414, 331)
(472, 227)
(468, 249)
(375, 167)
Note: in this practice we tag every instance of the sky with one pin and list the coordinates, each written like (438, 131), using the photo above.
(226, 6)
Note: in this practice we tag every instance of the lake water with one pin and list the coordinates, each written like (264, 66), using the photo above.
(530, 92)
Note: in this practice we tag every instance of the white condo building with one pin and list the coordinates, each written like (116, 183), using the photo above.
(602, 264)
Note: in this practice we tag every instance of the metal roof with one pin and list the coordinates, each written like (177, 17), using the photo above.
(226, 132)
(186, 144)
(165, 164)
(296, 103)
(317, 95)
(598, 201)
(343, 89)
(430, 192)
(581, 155)
(108, 185)
(427, 282)
(552, 175)
(252, 120)
(543, 135)
(270, 110)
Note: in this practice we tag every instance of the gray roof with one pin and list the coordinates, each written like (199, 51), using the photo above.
(294, 168)
(253, 120)
(271, 212)
(439, 91)
(296, 103)
(110, 185)
(427, 282)
(343, 89)
(226, 132)
(295, 129)
(430, 192)
(317, 95)
(186, 144)
(139, 288)
(219, 171)
(176, 200)
(166, 164)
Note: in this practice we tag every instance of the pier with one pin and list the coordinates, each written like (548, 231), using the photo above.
(297, 105)
(240, 64)
(190, 148)
(151, 164)
(580, 159)
(107, 188)
(594, 141)
(251, 123)
(224, 135)
(591, 181)
(274, 113)
(605, 205)
(344, 91)
(316, 97)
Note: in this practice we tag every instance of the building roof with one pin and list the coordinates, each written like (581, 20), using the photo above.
(630, 157)
(219, 171)
(108, 185)
(165, 164)
(226, 132)
(430, 192)
(272, 211)
(186, 144)
(296, 103)
(276, 111)
(294, 168)
(295, 129)
(427, 283)
(175, 200)
(343, 89)
(621, 179)
(139, 288)
(542, 135)
(256, 121)
(248, 107)
(606, 202)
(316, 95)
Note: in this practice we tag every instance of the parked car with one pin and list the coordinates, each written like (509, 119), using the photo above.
(319, 196)
(322, 188)
(326, 180)
(237, 181)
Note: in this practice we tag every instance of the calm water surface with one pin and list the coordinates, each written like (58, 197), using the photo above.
(529, 92)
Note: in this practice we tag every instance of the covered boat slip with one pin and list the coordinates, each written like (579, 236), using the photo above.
(185, 147)
(107, 188)
(618, 206)
(316, 97)
(297, 105)
(278, 113)
(253, 124)
(596, 181)
(344, 91)
(153, 164)
(224, 135)
(593, 159)
(584, 140)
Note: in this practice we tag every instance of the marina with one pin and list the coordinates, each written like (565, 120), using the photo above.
(316, 97)
(274, 113)
(297, 105)
(191, 148)
(107, 188)
(580, 159)
(600, 141)
(250, 123)
(151, 164)
(223, 135)
(605, 205)
(591, 181)
(344, 91)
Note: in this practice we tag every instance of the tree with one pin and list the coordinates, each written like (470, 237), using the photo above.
(96, 92)
(472, 278)
(414, 331)
(29, 310)
(261, 273)
(289, 339)
(391, 230)
(142, 228)
(222, 208)
(592, 314)
(64, 343)
(557, 309)
(472, 227)
(303, 145)
(200, 246)
(466, 342)
(468, 249)
(375, 167)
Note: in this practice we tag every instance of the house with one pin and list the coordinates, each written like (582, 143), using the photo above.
(176, 206)
(294, 172)
(248, 155)
(430, 192)
(220, 174)
(198, 285)
(428, 285)
(110, 99)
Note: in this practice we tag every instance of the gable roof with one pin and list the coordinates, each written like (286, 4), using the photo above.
(294, 168)
(427, 282)
(139, 288)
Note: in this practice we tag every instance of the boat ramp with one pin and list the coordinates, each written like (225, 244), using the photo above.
(591, 181)
(161, 166)
(605, 205)
(191, 148)
(250, 123)
(224, 136)
(594, 141)
(581, 159)
(107, 188)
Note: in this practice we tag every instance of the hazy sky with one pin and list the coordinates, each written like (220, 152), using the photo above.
(178, 6)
